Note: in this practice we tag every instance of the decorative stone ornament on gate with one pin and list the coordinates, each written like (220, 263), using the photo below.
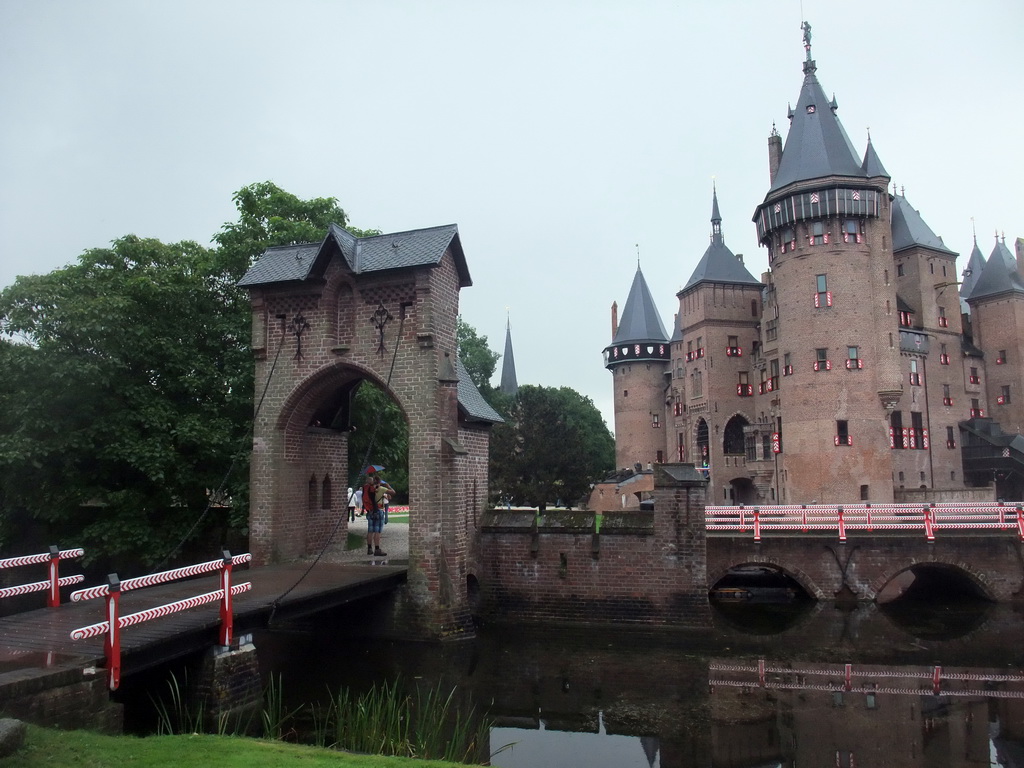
(326, 317)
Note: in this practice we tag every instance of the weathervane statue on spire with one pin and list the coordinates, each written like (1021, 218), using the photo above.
(807, 37)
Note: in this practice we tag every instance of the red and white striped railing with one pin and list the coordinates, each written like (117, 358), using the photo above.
(53, 584)
(846, 519)
(842, 679)
(111, 627)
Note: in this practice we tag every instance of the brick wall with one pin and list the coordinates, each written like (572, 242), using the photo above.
(641, 568)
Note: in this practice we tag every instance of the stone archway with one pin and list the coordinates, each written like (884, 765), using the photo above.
(383, 308)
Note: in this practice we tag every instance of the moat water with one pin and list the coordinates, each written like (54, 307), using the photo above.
(790, 684)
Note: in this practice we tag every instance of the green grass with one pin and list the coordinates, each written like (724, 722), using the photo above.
(46, 748)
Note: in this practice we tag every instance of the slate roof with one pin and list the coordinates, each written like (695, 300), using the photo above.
(909, 229)
(999, 276)
(509, 383)
(398, 250)
(471, 402)
(872, 166)
(639, 320)
(719, 264)
(975, 266)
(817, 145)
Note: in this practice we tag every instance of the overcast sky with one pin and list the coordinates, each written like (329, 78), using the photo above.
(558, 135)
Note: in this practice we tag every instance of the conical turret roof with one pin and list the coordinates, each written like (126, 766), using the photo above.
(872, 166)
(639, 320)
(909, 229)
(719, 264)
(817, 145)
(1000, 275)
(509, 383)
(975, 266)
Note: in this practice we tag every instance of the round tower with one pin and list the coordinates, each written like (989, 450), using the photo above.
(638, 358)
(834, 324)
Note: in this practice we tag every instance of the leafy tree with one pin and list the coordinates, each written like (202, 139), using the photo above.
(552, 446)
(474, 353)
(127, 393)
(130, 391)
(377, 418)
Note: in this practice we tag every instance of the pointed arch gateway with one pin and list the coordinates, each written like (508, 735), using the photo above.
(325, 317)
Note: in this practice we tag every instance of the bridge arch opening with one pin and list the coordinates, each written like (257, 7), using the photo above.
(760, 599)
(933, 583)
(935, 601)
(758, 583)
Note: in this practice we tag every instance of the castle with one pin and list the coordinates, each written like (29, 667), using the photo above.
(862, 366)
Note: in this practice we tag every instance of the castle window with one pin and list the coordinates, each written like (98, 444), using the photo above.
(822, 296)
(899, 270)
(696, 384)
(975, 378)
(625, 393)
(818, 234)
(1001, 357)
(787, 365)
(918, 434)
(655, 421)
(753, 308)
(734, 349)
(788, 240)
(853, 360)
(681, 448)
(915, 376)
(751, 446)
(950, 438)
(821, 361)
(943, 355)
(771, 330)
(947, 397)
(897, 435)
(853, 231)
(766, 446)
(843, 433)
(773, 379)
(744, 388)
(943, 320)
(660, 458)
(976, 410)
(1004, 398)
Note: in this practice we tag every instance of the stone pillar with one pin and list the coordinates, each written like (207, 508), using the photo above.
(229, 692)
(680, 495)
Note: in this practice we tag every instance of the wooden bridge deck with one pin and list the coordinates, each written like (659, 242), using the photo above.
(42, 638)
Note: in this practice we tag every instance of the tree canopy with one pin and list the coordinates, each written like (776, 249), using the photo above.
(127, 394)
(552, 446)
(476, 355)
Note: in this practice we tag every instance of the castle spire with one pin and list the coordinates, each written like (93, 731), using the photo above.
(716, 217)
(509, 383)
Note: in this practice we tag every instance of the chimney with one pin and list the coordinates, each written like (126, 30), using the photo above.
(615, 318)
(774, 155)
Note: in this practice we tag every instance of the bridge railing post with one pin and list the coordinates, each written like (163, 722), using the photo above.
(112, 643)
(757, 525)
(842, 526)
(929, 524)
(53, 598)
(1020, 522)
(227, 616)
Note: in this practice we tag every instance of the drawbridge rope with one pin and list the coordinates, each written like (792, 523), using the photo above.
(366, 457)
(231, 467)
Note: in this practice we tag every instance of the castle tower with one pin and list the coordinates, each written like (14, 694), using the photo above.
(638, 358)
(997, 315)
(830, 308)
(509, 383)
(715, 349)
(925, 422)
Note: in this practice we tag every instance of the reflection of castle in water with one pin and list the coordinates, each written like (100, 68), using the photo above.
(849, 715)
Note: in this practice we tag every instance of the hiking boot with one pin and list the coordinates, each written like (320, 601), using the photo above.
(369, 550)
(378, 553)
